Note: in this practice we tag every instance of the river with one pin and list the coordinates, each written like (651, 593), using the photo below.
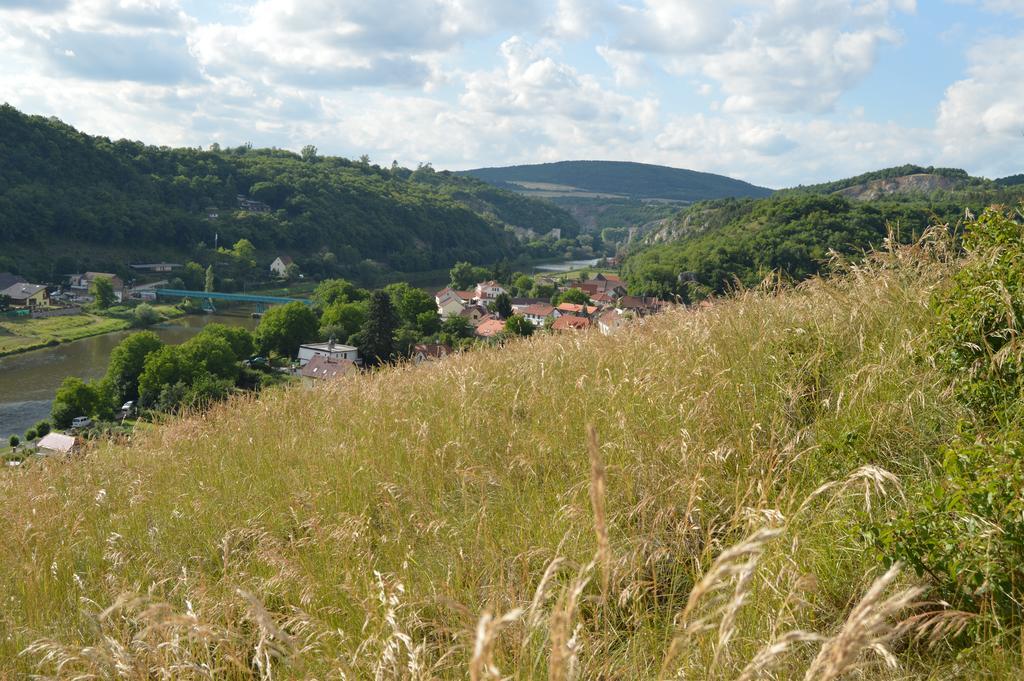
(566, 265)
(29, 380)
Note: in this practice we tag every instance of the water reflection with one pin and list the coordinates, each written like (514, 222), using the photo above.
(29, 380)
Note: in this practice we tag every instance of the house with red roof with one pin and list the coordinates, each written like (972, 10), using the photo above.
(489, 328)
(571, 323)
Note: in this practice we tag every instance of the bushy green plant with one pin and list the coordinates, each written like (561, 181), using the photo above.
(966, 529)
(42, 428)
(14, 440)
(982, 315)
(30, 435)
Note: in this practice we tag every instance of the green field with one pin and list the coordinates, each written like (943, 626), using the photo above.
(21, 334)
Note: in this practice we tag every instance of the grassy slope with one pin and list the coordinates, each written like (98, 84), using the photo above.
(408, 503)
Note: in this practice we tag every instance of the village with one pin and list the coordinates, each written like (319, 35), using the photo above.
(486, 314)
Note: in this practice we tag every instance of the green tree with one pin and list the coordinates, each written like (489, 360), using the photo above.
(540, 290)
(193, 275)
(309, 153)
(127, 361)
(14, 441)
(162, 368)
(292, 271)
(285, 327)
(341, 319)
(503, 305)
(518, 325)
(42, 428)
(240, 340)
(464, 275)
(457, 327)
(331, 291)
(208, 281)
(211, 354)
(572, 295)
(428, 323)
(30, 435)
(74, 398)
(522, 284)
(102, 290)
(145, 314)
(378, 334)
(410, 302)
(244, 254)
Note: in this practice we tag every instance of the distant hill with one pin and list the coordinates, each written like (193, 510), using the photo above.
(93, 203)
(896, 180)
(616, 180)
(1011, 181)
(712, 245)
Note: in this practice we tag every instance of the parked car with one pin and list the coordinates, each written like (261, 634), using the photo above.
(128, 408)
(81, 422)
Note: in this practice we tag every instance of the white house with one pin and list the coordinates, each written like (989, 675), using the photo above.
(280, 265)
(330, 349)
(537, 313)
(487, 291)
(451, 303)
(611, 321)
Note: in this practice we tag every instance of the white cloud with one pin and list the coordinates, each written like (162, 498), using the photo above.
(981, 119)
(782, 55)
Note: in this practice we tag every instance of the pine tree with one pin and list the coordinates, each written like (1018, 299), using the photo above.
(378, 333)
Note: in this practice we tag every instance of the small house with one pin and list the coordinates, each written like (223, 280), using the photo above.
(571, 323)
(487, 291)
(321, 367)
(280, 265)
(429, 352)
(450, 302)
(330, 349)
(537, 313)
(573, 309)
(640, 305)
(611, 321)
(474, 313)
(490, 328)
(27, 295)
(57, 443)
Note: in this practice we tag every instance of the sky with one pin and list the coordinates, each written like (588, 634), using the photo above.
(776, 92)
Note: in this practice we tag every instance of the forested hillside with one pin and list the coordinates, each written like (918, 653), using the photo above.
(61, 186)
(617, 180)
(711, 246)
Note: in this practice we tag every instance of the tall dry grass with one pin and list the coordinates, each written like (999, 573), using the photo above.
(684, 500)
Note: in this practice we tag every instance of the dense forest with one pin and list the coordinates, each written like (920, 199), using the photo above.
(61, 186)
(627, 180)
(718, 244)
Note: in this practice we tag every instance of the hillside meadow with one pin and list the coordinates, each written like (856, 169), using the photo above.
(687, 499)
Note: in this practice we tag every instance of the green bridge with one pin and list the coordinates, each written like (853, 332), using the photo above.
(209, 296)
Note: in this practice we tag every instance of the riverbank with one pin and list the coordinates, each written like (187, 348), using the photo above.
(18, 335)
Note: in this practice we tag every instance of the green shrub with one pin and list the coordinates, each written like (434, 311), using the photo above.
(982, 314)
(42, 428)
(14, 440)
(30, 435)
(967, 531)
